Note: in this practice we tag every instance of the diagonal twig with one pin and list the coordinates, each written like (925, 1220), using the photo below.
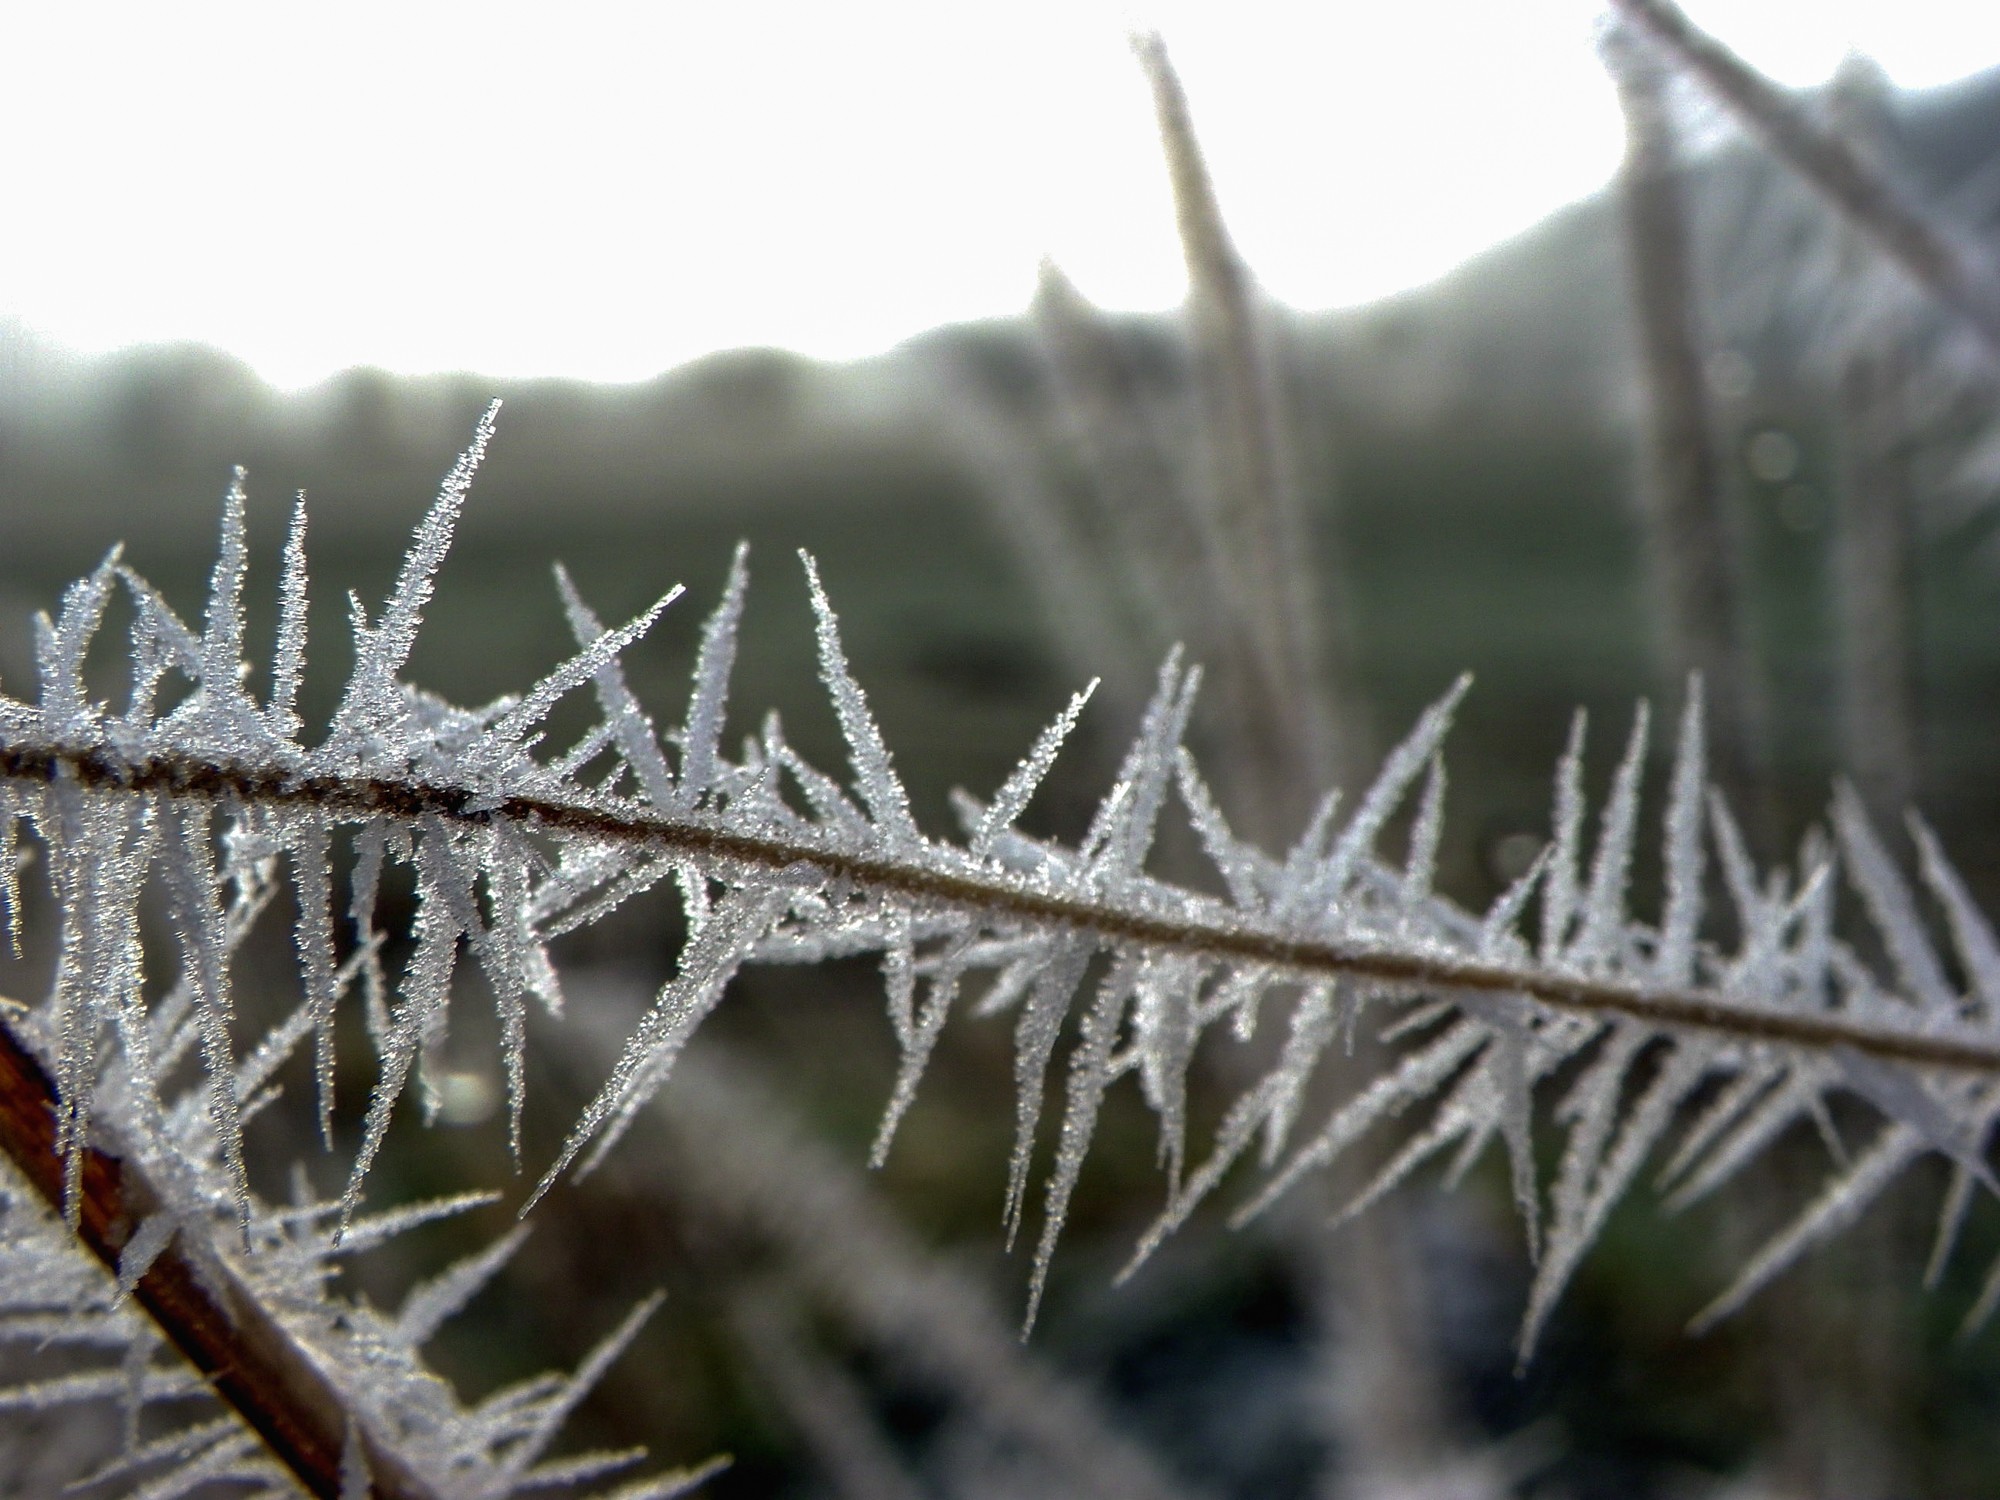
(198, 1303)
(1942, 261)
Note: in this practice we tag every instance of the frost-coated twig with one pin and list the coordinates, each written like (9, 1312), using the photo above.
(231, 1356)
(1955, 272)
(965, 885)
(202, 1307)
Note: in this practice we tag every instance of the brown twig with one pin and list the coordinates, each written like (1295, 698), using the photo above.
(1953, 271)
(197, 1301)
(971, 887)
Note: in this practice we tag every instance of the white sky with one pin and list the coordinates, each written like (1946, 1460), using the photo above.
(607, 190)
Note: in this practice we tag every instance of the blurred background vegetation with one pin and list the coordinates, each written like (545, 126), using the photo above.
(1469, 456)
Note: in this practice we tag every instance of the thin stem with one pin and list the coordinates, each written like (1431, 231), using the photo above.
(969, 885)
(1282, 665)
(200, 1304)
(1138, 479)
(1874, 533)
(1695, 554)
(1875, 570)
(1953, 271)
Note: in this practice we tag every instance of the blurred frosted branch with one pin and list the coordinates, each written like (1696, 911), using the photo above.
(822, 1401)
(1955, 270)
(1139, 478)
(1061, 561)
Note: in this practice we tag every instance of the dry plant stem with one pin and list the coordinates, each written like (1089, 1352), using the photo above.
(1875, 565)
(1691, 549)
(1851, 1382)
(1874, 572)
(1298, 727)
(1278, 663)
(1008, 897)
(201, 1307)
(1136, 482)
(1954, 272)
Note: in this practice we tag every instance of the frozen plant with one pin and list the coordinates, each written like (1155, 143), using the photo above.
(1667, 1040)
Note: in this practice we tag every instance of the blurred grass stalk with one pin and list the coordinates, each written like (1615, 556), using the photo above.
(1958, 273)
(1875, 559)
(1832, 1424)
(1194, 518)
(1693, 545)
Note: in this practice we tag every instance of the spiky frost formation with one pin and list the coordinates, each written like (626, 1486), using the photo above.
(278, 1382)
(1668, 1041)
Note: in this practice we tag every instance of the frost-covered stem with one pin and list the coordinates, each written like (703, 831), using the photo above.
(1691, 546)
(1954, 272)
(199, 1304)
(969, 885)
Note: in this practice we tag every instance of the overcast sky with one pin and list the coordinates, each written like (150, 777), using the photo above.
(605, 191)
